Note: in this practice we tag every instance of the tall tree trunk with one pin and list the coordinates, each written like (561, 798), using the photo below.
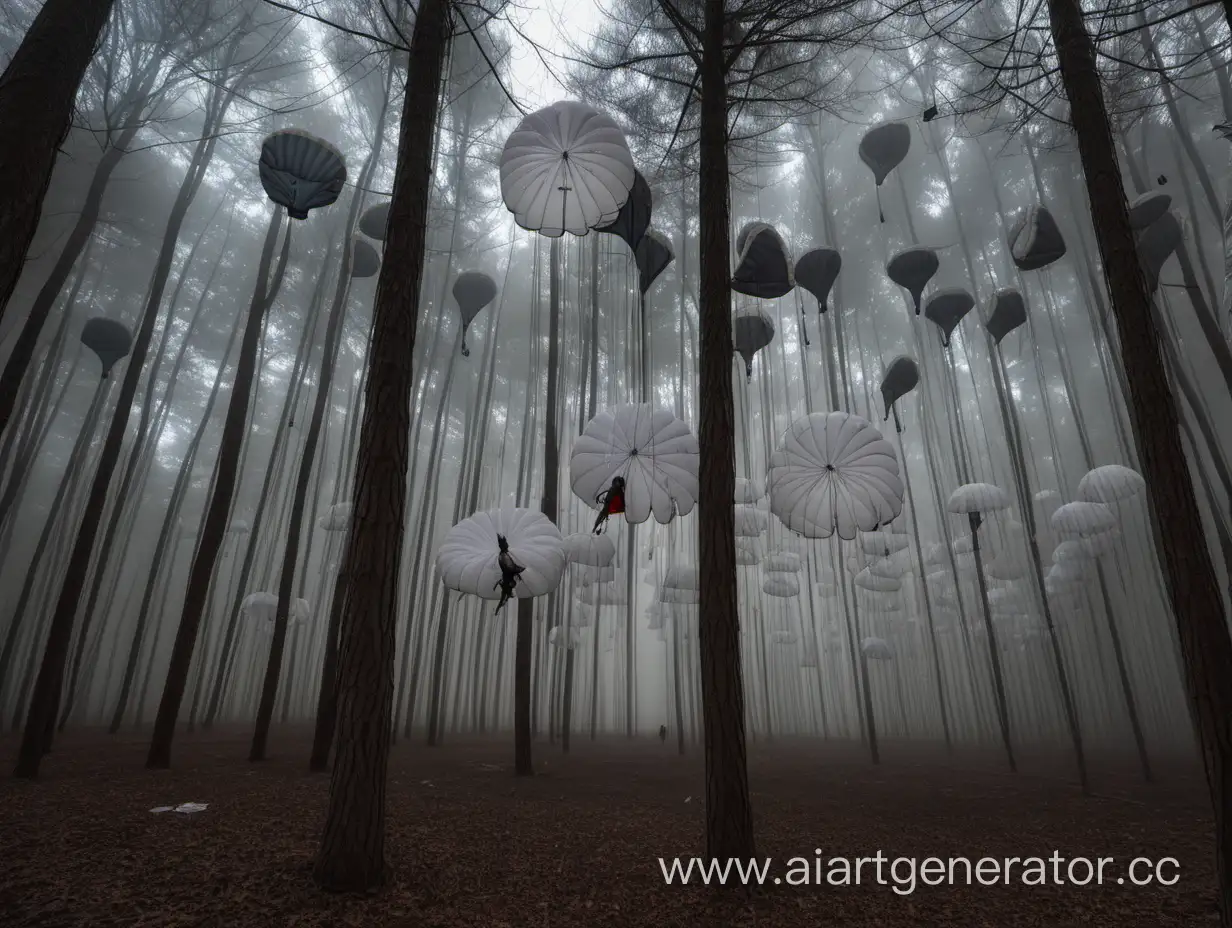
(38, 91)
(729, 814)
(215, 522)
(352, 852)
(1193, 588)
(46, 699)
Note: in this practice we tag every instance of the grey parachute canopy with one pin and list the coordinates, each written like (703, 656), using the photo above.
(1008, 312)
(108, 339)
(884, 147)
(1148, 207)
(374, 221)
(900, 378)
(752, 331)
(946, 308)
(816, 272)
(365, 262)
(300, 171)
(912, 270)
(473, 290)
(634, 218)
(1156, 243)
(764, 267)
(1035, 240)
(653, 254)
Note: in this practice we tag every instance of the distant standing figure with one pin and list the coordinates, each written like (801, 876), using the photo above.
(662, 733)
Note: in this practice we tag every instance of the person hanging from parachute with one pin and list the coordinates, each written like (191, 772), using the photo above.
(510, 570)
(611, 502)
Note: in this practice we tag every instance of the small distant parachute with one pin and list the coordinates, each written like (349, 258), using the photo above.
(651, 449)
(750, 522)
(780, 585)
(977, 498)
(634, 218)
(337, 518)
(301, 172)
(783, 562)
(375, 221)
(946, 308)
(591, 550)
(1035, 240)
(752, 330)
(1109, 484)
(748, 490)
(1156, 243)
(467, 559)
(876, 649)
(816, 272)
(365, 262)
(882, 149)
(653, 254)
(832, 473)
(1148, 207)
(566, 168)
(901, 377)
(1083, 519)
(912, 269)
(473, 290)
(1008, 310)
(763, 268)
(108, 339)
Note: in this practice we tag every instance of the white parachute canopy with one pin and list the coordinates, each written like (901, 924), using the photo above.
(781, 585)
(875, 583)
(337, 518)
(652, 450)
(883, 543)
(566, 168)
(467, 559)
(748, 490)
(876, 649)
(834, 473)
(1083, 519)
(1110, 484)
(590, 549)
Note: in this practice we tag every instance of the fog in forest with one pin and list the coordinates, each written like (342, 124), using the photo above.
(958, 546)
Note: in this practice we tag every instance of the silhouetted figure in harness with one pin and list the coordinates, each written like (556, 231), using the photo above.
(611, 501)
(511, 571)
(662, 733)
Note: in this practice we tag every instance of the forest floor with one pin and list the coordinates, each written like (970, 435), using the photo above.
(579, 844)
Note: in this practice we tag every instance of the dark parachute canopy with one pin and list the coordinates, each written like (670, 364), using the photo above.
(1156, 243)
(374, 221)
(1149, 207)
(946, 308)
(1008, 312)
(884, 147)
(634, 218)
(473, 290)
(653, 254)
(764, 267)
(752, 330)
(108, 339)
(900, 378)
(816, 272)
(913, 269)
(365, 262)
(1035, 241)
(300, 171)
